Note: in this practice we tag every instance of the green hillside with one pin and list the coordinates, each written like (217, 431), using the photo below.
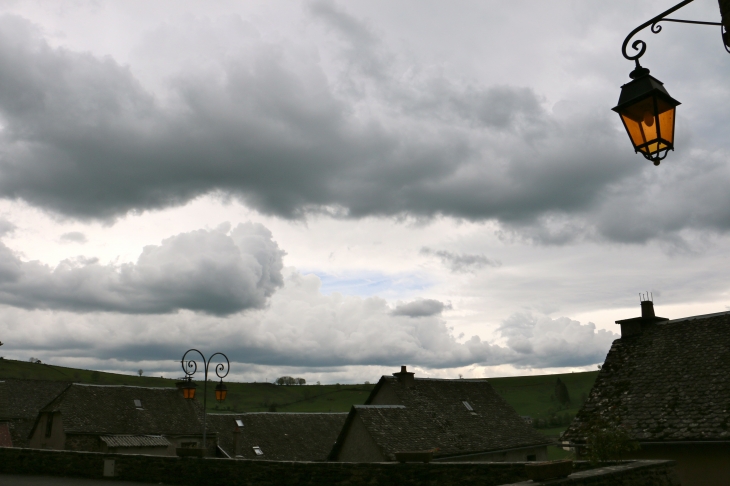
(242, 397)
(529, 395)
(535, 395)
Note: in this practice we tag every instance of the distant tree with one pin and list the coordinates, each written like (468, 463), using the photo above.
(561, 393)
(367, 382)
(300, 381)
(139, 372)
(272, 407)
(318, 383)
(599, 367)
(286, 380)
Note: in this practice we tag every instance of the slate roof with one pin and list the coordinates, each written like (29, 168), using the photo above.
(432, 415)
(24, 398)
(669, 383)
(5, 439)
(135, 441)
(20, 402)
(111, 410)
(281, 436)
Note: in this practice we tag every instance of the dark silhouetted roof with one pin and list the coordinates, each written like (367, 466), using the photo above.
(5, 439)
(433, 415)
(24, 398)
(135, 441)
(281, 436)
(111, 410)
(669, 383)
(20, 402)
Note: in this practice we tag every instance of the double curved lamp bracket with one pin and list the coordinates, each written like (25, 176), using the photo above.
(190, 366)
(640, 46)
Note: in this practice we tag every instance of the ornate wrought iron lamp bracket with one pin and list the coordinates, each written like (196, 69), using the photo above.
(640, 46)
(190, 367)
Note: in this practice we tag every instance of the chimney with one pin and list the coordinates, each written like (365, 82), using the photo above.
(637, 325)
(405, 378)
(647, 309)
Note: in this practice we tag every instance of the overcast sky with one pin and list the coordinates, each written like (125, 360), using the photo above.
(332, 189)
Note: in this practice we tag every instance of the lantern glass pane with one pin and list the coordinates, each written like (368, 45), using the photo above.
(220, 395)
(634, 129)
(666, 120)
(641, 124)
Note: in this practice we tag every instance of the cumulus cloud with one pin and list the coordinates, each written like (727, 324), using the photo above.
(6, 227)
(219, 271)
(460, 262)
(542, 342)
(73, 237)
(420, 308)
(302, 328)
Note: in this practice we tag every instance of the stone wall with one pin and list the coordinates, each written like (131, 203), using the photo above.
(634, 473)
(191, 471)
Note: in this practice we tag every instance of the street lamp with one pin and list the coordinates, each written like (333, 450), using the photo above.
(221, 391)
(646, 109)
(648, 114)
(188, 386)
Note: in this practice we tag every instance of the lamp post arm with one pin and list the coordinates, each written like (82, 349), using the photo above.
(218, 369)
(640, 45)
(190, 367)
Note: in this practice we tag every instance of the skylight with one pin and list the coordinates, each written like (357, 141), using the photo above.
(138, 403)
(468, 407)
(239, 422)
(258, 451)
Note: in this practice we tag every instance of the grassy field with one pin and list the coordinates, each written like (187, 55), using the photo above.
(529, 395)
(242, 397)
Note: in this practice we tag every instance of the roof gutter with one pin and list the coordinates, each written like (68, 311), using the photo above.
(445, 458)
(666, 442)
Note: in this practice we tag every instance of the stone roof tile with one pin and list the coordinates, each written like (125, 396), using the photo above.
(281, 436)
(668, 383)
(434, 416)
(113, 410)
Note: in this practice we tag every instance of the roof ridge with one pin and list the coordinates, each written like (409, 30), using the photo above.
(379, 406)
(459, 380)
(281, 413)
(701, 316)
(127, 386)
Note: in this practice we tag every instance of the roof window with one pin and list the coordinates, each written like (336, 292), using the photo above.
(258, 451)
(239, 422)
(138, 404)
(468, 407)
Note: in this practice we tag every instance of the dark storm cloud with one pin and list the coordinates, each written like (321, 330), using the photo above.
(420, 308)
(215, 272)
(460, 262)
(73, 237)
(83, 138)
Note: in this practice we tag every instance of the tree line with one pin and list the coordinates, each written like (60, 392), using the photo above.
(288, 380)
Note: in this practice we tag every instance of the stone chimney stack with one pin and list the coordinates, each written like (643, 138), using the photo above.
(405, 378)
(637, 325)
(647, 309)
